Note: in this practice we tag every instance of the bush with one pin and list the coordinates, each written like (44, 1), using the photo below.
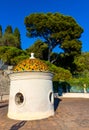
(59, 73)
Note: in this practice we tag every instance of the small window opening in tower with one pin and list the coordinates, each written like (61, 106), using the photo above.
(19, 98)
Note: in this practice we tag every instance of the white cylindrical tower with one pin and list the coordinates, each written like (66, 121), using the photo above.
(31, 91)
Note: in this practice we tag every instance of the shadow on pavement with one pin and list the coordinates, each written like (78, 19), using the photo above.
(3, 105)
(56, 103)
(17, 126)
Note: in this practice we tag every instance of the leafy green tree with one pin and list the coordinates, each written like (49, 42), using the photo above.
(8, 29)
(60, 74)
(17, 35)
(10, 40)
(55, 29)
(0, 31)
(2, 50)
(78, 83)
(86, 56)
(40, 50)
(2, 41)
(82, 63)
(15, 60)
(12, 55)
(54, 58)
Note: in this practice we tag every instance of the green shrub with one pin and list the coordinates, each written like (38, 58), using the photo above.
(59, 73)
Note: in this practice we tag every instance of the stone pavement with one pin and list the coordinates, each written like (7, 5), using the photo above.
(70, 114)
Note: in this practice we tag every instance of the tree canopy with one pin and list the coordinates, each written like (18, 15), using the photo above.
(55, 29)
(10, 38)
(12, 55)
(82, 63)
(9, 29)
(0, 31)
(17, 35)
(40, 50)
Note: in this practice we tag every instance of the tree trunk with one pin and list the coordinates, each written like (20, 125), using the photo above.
(49, 52)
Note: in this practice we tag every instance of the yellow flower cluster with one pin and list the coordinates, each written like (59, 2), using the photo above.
(31, 65)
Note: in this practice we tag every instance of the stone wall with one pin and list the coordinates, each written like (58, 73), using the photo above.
(4, 83)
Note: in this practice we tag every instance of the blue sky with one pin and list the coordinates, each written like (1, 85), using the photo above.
(13, 12)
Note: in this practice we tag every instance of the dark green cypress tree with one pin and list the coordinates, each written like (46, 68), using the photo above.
(0, 31)
(8, 29)
(17, 35)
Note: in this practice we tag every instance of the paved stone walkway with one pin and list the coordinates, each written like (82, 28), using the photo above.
(70, 114)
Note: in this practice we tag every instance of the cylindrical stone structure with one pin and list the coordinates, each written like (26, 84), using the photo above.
(31, 95)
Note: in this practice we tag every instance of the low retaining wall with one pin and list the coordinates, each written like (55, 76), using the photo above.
(76, 95)
(73, 95)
